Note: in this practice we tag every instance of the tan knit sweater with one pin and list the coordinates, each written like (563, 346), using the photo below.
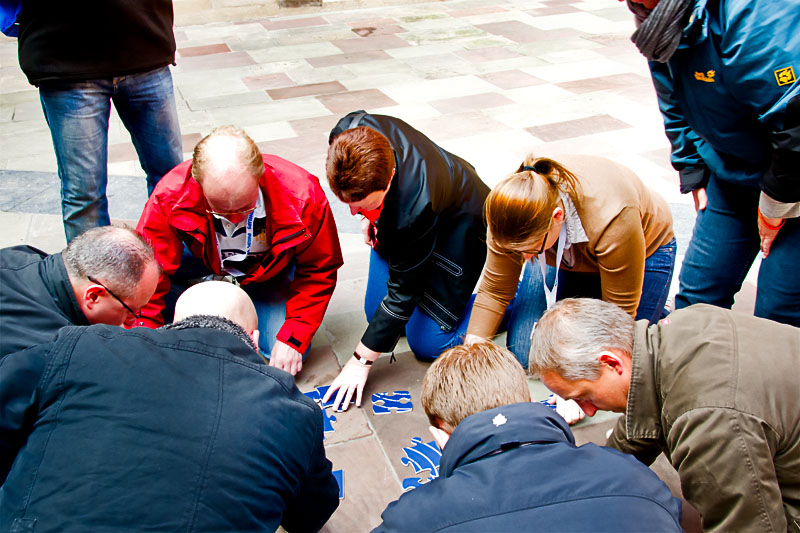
(625, 223)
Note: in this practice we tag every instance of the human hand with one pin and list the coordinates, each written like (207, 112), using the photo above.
(351, 379)
(366, 231)
(700, 199)
(469, 338)
(569, 409)
(286, 358)
(768, 229)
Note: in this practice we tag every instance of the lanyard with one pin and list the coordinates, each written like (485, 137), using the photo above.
(550, 294)
(248, 241)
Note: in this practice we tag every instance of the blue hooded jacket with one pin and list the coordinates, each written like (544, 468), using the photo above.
(516, 468)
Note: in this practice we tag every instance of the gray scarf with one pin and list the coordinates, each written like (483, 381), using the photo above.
(659, 30)
(213, 322)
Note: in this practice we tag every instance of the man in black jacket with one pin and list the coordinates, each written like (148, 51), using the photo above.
(83, 56)
(512, 465)
(422, 210)
(183, 428)
(104, 276)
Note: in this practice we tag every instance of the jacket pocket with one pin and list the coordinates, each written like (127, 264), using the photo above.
(23, 525)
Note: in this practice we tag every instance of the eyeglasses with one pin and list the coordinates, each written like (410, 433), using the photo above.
(117, 298)
(544, 239)
(229, 213)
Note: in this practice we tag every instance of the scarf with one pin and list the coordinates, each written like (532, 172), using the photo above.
(659, 32)
(213, 322)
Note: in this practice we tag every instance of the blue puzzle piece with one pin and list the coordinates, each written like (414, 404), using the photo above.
(398, 401)
(319, 393)
(412, 483)
(423, 456)
(327, 422)
(339, 475)
(547, 404)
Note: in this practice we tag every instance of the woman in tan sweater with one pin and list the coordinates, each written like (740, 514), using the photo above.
(601, 232)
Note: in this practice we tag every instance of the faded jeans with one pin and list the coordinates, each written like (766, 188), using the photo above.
(78, 113)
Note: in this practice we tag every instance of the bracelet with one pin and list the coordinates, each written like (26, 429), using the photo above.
(767, 225)
(362, 360)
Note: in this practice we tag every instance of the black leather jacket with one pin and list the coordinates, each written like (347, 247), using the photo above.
(431, 231)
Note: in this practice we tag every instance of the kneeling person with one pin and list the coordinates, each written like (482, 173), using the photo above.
(511, 465)
(104, 276)
(715, 390)
(180, 428)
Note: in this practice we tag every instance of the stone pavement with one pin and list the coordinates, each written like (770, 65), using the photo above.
(488, 80)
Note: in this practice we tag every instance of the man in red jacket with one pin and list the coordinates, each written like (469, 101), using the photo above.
(253, 219)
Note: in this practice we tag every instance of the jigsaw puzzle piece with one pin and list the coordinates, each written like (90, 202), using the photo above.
(412, 483)
(339, 475)
(547, 403)
(319, 393)
(327, 422)
(423, 456)
(398, 401)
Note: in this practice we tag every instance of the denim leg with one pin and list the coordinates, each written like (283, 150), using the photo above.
(525, 310)
(778, 296)
(425, 336)
(145, 103)
(724, 245)
(658, 270)
(269, 298)
(77, 114)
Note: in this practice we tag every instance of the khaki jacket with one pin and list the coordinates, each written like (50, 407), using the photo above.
(625, 223)
(718, 393)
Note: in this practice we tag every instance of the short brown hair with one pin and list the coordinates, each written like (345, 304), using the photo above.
(247, 152)
(469, 379)
(360, 162)
(519, 208)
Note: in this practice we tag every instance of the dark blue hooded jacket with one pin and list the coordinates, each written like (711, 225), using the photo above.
(516, 468)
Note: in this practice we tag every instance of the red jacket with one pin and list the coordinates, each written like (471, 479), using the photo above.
(302, 227)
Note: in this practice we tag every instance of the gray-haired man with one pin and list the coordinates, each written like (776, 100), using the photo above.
(104, 276)
(714, 390)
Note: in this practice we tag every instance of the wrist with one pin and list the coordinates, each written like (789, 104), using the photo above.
(361, 360)
(771, 223)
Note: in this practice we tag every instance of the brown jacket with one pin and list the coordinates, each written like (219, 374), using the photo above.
(625, 223)
(718, 393)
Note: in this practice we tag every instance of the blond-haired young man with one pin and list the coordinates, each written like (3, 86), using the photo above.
(512, 465)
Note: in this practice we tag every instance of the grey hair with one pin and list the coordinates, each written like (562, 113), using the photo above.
(116, 257)
(569, 336)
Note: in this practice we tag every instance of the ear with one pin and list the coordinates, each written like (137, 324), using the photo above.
(612, 361)
(91, 295)
(254, 336)
(440, 436)
(558, 213)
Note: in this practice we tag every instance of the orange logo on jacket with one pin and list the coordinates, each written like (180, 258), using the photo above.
(785, 76)
(705, 76)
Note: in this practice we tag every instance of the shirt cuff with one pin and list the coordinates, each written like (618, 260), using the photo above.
(772, 208)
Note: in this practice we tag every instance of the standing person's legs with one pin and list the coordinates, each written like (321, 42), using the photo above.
(77, 114)
(658, 270)
(425, 336)
(145, 103)
(778, 296)
(723, 247)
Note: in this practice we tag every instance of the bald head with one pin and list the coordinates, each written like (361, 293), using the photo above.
(228, 165)
(218, 298)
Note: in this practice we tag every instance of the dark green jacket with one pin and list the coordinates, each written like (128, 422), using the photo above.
(718, 393)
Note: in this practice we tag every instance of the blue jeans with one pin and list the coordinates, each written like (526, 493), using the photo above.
(78, 113)
(269, 298)
(425, 337)
(725, 243)
(529, 303)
